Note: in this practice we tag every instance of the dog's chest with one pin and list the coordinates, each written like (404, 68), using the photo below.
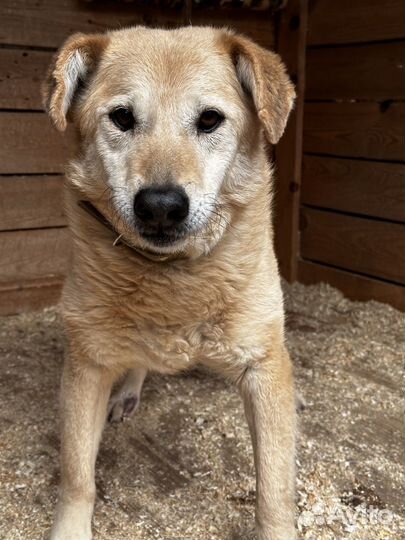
(173, 348)
(171, 325)
(166, 322)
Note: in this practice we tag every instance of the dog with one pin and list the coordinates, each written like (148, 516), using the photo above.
(169, 204)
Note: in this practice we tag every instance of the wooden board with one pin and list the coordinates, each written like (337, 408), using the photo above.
(29, 296)
(30, 144)
(31, 202)
(47, 23)
(372, 71)
(259, 26)
(374, 248)
(367, 130)
(353, 21)
(353, 286)
(29, 255)
(288, 152)
(360, 187)
(22, 72)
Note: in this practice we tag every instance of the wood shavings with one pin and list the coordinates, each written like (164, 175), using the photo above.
(183, 468)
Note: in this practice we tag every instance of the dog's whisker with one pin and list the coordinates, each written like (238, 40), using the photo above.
(116, 241)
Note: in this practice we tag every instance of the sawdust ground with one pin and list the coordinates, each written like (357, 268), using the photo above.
(183, 468)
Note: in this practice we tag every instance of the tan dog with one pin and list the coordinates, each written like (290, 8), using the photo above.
(169, 207)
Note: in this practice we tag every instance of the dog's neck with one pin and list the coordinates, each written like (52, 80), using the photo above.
(121, 241)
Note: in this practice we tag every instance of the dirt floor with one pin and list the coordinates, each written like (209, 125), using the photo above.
(183, 468)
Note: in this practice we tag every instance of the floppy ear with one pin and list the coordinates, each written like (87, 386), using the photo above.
(71, 66)
(263, 75)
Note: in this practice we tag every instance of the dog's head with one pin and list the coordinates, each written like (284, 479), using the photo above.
(171, 125)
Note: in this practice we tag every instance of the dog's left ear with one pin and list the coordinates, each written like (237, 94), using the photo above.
(73, 64)
(263, 75)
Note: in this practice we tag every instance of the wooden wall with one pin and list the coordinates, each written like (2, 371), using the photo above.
(34, 241)
(340, 194)
(352, 201)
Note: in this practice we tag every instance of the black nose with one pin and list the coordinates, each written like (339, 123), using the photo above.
(161, 207)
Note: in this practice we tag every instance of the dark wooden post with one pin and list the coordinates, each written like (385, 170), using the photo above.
(291, 45)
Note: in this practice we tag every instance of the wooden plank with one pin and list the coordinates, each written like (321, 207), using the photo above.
(47, 23)
(374, 248)
(354, 286)
(288, 152)
(22, 72)
(367, 130)
(373, 71)
(30, 296)
(360, 187)
(31, 202)
(29, 255)
(348, 21)
(259, 26)
(29, 144)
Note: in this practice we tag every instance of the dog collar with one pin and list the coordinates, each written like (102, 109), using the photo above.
(120, 240)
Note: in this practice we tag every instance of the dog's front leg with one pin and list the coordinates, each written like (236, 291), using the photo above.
(268, 394)
(85, 393)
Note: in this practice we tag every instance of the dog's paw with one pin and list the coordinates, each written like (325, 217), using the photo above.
(72, 522)
(70, 535)
(122, 406)
(283, 532)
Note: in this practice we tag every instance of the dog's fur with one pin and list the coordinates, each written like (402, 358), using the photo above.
(216, 300)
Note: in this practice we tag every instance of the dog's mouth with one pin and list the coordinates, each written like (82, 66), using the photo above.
(163, 238)
(158, 239)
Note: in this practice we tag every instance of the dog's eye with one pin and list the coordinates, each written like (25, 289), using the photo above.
(123, 118)
(209, 121)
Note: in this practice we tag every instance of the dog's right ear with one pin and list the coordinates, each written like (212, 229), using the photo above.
(71, 66)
